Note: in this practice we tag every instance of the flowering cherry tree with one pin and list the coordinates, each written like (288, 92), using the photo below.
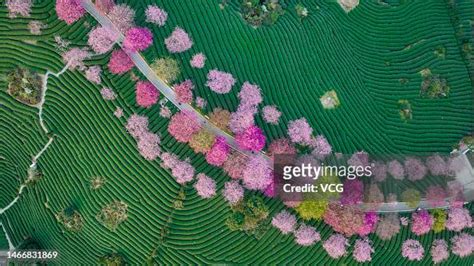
(388, 226)
(396, 170)
(271, 114)
(218, 153)
(108, 94)
(120, 62)
(184, 91)
(198, 60)
(75, 58)
(183, 125)
(241, 120)
(321, 147)
(69, 11)
(281, 146)
(149, 146)
(458, 219)
(412, 250)
(421, 222)
(306, 235)
(19, 8)
(250, 96)
(336, 246)
(257, 174)
(362, 251)
(233, 192)
(122, 16)
(102, 39)
(156, 15)
(93, 74)
(252, 139)
(285, 222)
(219, 81)
(137, 125)
(179, 41)
(439, 251)
(300, 131)
(462, 245)
(205, 186)
(235, 165)
(415, 169)
(146, 94)
(137, 39)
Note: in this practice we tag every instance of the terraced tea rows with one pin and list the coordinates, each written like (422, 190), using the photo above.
(90, 141)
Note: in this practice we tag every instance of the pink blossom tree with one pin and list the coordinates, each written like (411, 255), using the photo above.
(321, 147)
(149, 146)
(137, 39)
(75, 58)
(436, 195)
(257, 174)
(379, 171)
(219, 81)
(205, 186)
(179, 41)
(271, 114)
(102, 39)
(184, 91)
(412, 250)
(439, 251)
(183, 125)
(336, 246)
(120, 62)
(165, 112)
(285, 222)
(108, 94)
(182, 171)
(251, 139)
(137, 125)
(69, 11)
(122, 16)
(104, 5)
(437, 165)
(19, 8)
(422, 221)
(300, 131)
(415, 169)
(281, 146)
(353, 192)
(93, 74)
(370, 224)
(249, 95)
(362, 251)
(388, 226)
(359, 158)
(462, 245)
(156, 15)
(200, 102)
(458, 219)
(118, 112)
(306, 235)
(36, 27)
(146, 94)
(241, 120)
(233, 192)
(396, 170)
(235, 165)
(345, 219)
(219, 152)
(198, 60)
